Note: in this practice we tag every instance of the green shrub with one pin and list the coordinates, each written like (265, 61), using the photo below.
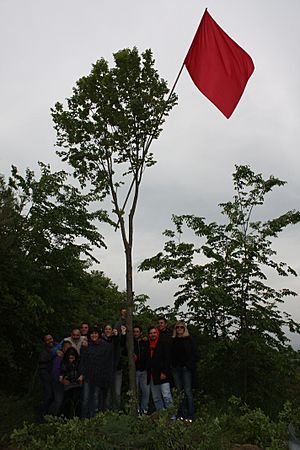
(111, 431)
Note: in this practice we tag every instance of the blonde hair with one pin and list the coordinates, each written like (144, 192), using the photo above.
(186, 331)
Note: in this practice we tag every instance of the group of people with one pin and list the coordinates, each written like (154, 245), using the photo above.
(82, 374)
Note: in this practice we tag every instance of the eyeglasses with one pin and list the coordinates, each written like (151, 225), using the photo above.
(180, 326)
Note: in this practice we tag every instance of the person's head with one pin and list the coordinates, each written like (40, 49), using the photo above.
(108, 330)
(95, 334)
(66, 346)
(162, 323)
(123, 313)
(137, 331)
(152, 333)
(180, 329)
(48, 340)
(71, 355)
(84, 329)
(75, 334)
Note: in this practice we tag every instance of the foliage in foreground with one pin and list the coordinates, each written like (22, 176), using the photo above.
(238, 425)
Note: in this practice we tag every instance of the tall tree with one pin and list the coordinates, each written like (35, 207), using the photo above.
(223, 280)
(105, 132)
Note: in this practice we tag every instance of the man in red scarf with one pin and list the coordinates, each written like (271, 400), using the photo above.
(158, 370)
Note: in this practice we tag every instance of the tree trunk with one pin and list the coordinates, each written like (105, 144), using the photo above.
(129, 336)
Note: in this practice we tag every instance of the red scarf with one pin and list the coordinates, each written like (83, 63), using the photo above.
(153, 344)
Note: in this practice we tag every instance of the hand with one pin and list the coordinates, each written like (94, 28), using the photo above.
(163, 376)
(80, 379)
(66, 382)
(60, 353)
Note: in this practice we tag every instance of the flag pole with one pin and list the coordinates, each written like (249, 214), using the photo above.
(152, 136)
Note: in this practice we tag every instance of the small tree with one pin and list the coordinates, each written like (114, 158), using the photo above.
(105, 132)
(226, 292)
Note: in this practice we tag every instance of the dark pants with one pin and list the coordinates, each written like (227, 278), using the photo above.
(113, 397)
(58, 394)
(47, 392)
(93, 398)
(71, 404)
(183, 382)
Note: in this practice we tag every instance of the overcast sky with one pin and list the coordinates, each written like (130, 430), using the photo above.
(46, 46)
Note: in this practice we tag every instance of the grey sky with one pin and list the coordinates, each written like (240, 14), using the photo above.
(48, 45)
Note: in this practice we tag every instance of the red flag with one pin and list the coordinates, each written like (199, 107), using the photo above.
(219, 67)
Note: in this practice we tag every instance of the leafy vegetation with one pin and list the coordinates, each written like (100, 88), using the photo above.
(238, 425)
(223, 285)
(46, 238)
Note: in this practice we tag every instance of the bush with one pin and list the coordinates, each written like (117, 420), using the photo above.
(110, 431)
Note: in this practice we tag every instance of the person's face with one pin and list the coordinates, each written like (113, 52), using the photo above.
(71, 359)
(108, 331)
(66, 346)
(180, 329)
(162, 325)
(84, 329)
(136, 333)
(152, 334)
(75, 335)
(94, 336)
(123, 312)
(48, 341)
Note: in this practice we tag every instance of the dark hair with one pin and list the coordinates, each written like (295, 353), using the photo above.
(137, 326)
(71, 352)
(162, 318)
(44, 335)
(151, 328)
(84, 323)
(95, 330)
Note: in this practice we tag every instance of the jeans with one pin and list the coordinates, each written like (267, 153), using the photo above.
(90, 400)
(113, 397)
(161, 394)
(143, 390)
(183, 382)
(58, 393)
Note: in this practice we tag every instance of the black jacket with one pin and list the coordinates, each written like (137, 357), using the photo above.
(183, 353)
(96, 363)
(141, 349)
(158, 363)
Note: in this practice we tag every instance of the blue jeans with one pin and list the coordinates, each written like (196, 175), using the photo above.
(113, 397)
(58, 393)
(143, 390)
(183, 382)
(90, 400)
(161, 394)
